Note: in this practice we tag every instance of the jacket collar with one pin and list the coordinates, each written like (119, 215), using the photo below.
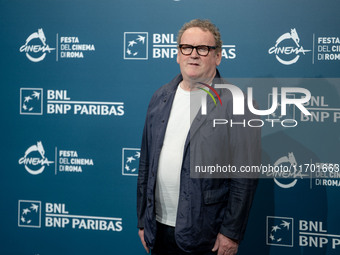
(199, 119)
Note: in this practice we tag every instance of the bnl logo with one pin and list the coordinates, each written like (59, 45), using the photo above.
(29, 214)
(130, 161)
(280, 231)
(136, 45)
(31, 101)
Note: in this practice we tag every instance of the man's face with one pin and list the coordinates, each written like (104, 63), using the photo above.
(194, 67)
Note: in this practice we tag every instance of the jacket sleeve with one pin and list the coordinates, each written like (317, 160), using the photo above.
(144, 162)
(147, 150)
(142, 180)
(245, 150)
(241, 195)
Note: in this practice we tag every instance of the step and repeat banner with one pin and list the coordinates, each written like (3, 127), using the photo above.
(76, 79)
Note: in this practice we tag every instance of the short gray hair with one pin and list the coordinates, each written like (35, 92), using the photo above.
(205, 25)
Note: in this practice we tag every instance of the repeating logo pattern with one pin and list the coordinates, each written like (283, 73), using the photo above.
(130, 161)
(136, 45)
(287, 49)
(29, 214)
(280, 231)
(289, 180)
(31, 101)
(36, 47)
(34, 159)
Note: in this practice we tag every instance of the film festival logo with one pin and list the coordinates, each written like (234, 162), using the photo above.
(287, 179)
(136, 45)
(287, 49)
(34, 159)
(130, 161)
(36, 47)
(29, 214)
(279, 231)
(31, 101)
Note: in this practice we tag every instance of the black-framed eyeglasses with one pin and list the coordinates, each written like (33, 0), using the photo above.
(202, 50)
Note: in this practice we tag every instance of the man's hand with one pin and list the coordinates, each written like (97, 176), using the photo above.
(225, 246)
(141, 236)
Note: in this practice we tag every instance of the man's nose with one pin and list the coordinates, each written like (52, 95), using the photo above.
(194, 54)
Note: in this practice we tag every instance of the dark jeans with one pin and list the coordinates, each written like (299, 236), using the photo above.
(166, 243)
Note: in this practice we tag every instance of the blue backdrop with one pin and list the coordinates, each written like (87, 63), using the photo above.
(77, 77)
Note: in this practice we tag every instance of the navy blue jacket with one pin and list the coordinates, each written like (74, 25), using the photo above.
(207, 206)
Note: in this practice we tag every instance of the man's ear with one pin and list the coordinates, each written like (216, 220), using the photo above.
(177, 58)
(218, 58)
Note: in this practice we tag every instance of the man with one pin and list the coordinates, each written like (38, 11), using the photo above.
(178, 214)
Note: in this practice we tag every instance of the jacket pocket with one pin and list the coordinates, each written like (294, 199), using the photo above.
(215, 196)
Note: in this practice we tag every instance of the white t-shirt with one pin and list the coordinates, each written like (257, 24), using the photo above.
(171, 157)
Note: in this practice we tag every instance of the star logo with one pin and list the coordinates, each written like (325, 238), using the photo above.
(280, 231)
(136, 45)
(29, 214)
(31, 101)
(130, 161)
(275, 228)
